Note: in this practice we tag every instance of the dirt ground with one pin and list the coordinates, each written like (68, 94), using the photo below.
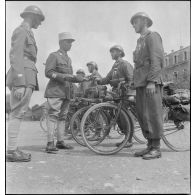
(82, 171)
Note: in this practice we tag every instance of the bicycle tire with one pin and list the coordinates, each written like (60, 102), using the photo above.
(137, 134)
(72, 125)
(179, 145)
(128, 130)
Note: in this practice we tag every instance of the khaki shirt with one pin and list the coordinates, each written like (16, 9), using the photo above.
(149, 59)
(57, 65)
(23, 56)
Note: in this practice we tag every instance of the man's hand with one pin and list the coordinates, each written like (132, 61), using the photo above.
(19, 93)
(97, 80)
(79, 78)
(150, 89)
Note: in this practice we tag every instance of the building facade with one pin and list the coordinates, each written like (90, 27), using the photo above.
(177, 67)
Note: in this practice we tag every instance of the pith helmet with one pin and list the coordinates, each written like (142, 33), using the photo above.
(33, 9)
(80, 71)
(143, 15)
(93, 64)
(65, 35)
(118, 47)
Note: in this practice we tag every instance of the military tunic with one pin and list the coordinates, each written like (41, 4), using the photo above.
(58, 91)
(120, 69)
(23, 56)
(23, 72)
(149, 63)
(57, 66)
(93, 89)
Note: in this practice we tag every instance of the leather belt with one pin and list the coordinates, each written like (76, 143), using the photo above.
(29, 58)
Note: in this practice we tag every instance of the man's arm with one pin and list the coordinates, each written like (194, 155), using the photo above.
(105, 80)
(50, 71)
(156, 53)
(17, 55)
(127, 69)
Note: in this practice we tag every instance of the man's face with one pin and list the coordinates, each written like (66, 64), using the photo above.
(138, 24)
(81, 74)
(90, 68)
(115, 54)
(66, 44)
(36, 21)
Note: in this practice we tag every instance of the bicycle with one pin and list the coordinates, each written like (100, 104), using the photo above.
(171, 135)
(115, 112)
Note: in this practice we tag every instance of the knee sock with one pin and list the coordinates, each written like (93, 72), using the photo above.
(51, 126)
(60, 130)
(13, 131)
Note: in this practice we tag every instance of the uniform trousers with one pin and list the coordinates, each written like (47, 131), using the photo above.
(57, 113)
(149, 112)
(18, 109)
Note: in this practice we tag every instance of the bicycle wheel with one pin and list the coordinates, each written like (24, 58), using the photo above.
(75, 125)
(177, 139)
(137, 135)
(106, 146)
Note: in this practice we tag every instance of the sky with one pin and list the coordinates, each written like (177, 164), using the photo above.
(96, 26)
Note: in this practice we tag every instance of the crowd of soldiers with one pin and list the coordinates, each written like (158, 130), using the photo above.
(146, 77)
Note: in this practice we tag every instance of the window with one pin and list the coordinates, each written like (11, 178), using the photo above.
(166, 62)
(185, 73)
(175, 59)
(185, 55)
(175, 74)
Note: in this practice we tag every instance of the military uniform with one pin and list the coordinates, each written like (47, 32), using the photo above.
(149, 62)
(58, 92)
(23, 72)
(22, 75)
(92, 88)
(120, 69)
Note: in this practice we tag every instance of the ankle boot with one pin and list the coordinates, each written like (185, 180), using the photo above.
(145, 151)
(51, 147)
(155, 151)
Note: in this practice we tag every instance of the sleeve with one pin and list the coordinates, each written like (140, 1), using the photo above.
(128, 72)
(156, 53)
(51, 73)
(105, 80)
(17, 55)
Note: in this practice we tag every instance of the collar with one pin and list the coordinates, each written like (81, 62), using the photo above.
(119, 60)
(62, 52)
(26, 26)
(145, 34)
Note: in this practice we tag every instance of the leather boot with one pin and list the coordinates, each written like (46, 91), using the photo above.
(155, 151)
(51, 148)
(17, 156)
(62, 145)
(145, 151)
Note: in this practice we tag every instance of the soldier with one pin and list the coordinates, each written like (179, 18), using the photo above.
(58, 91)
(92, 88)
(92, 91)
(149, 62)
(22, 77)
(120, 69)
(82, 86)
